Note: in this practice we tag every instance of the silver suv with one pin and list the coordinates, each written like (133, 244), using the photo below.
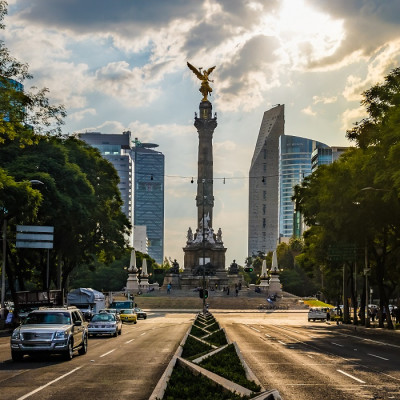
(50, 330)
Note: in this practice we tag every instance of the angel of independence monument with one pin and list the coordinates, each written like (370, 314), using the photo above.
(204, 253)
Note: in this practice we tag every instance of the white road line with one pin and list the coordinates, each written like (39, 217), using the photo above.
(382, 358)
(143, 333)
(337, 344)
(48, 384)
(129, 341)
(309, 356)
(281, 342)
(350, 376)
(108, 352)
(254, 329)
(266, 334)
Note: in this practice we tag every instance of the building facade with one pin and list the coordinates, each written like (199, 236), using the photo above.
(116, 149)
(141, 172)
(324, 156)
(263, 228)
(149, 195)
(294, 165)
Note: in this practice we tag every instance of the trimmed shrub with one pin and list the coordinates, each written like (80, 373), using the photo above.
(194, 347)
(217, 338)
(226, 363)
(195, 331)
(184, 385)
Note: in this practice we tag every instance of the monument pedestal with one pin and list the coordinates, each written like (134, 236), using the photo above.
(274, 285)
(132, 284)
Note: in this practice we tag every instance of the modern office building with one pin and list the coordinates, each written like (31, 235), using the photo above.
(263, 227)
(324, 156)
(141, 172)
(140, 241)
(294, 165)
(116, 149)
(149, 195)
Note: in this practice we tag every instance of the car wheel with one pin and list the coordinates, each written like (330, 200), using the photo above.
(83, 349)
(135, 322)
(17, 356)
(120, 332)
(145, 317)
(115, 334)
(69, 353)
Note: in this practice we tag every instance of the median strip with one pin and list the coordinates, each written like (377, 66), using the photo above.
(48, 384)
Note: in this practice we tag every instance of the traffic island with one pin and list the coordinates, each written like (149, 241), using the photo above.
(208, 366)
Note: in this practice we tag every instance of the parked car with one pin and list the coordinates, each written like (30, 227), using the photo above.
(50, 330)
(140, 313)
(128, 315)
(105, 324)
(315, 313)
(113, 311)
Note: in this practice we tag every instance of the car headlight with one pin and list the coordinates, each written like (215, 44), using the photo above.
(16, 335)
(61, 335)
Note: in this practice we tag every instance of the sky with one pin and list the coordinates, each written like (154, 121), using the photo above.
(121, 65)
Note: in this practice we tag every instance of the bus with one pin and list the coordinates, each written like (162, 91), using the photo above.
(121, 305)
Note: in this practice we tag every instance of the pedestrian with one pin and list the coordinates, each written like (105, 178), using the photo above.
(397, 314)
(236, 292)
(227, 291)
(373, 314)
(169, 288)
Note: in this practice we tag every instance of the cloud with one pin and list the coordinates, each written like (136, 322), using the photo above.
(79, 115)
(324, 100)
(308, 111)
(351, 116)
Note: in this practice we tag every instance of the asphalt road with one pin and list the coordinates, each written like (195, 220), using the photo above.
(125, 367)
(315, 360)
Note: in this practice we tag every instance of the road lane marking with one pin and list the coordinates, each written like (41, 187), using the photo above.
(309, 356)
(254, 329)
(337, 344)
(281, 342)
(266, 334)
(108, 352)
(48, 384)
(382, 358)
(143, 333)
(350, 376)
(129, 341)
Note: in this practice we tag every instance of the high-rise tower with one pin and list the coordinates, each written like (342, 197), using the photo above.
(264, 184)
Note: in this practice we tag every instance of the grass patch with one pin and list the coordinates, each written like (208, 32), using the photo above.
(217, 338)
(226, 363)
(195, 331)
(317, 303)
(214, 327)
(184, 385)
(194, 347)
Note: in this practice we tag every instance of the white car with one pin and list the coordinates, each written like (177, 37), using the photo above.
(315, 313)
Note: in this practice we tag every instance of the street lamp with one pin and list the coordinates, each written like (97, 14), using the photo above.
(3, 269)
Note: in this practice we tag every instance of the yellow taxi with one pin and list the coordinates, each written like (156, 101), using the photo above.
(128, 315)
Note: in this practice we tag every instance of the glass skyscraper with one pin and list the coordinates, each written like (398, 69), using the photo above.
(149, 195)
(294, 165)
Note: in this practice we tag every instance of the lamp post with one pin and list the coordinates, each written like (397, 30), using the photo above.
(3, 269)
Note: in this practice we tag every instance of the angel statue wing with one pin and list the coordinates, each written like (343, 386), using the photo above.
(210, 70)
(195, 71)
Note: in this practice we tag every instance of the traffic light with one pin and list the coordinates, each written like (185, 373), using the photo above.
(205, 293)
(248, 269)
(201, 293)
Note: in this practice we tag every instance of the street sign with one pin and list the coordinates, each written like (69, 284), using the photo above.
(35, 237)
(342, 252)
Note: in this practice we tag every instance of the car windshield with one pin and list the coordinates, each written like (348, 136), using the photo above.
(126, 311)
(137, 309)
(103, 317)
(48, 318)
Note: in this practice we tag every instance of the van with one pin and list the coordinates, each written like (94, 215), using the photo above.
(320, 313)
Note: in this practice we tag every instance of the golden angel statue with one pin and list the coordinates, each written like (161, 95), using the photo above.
(205, 88)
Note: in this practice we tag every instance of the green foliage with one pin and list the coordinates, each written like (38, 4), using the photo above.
(295, 281)
(183, 385)
(213, 327)
(218, 338)
(226, 363)
(194, 347)
(198, 332)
